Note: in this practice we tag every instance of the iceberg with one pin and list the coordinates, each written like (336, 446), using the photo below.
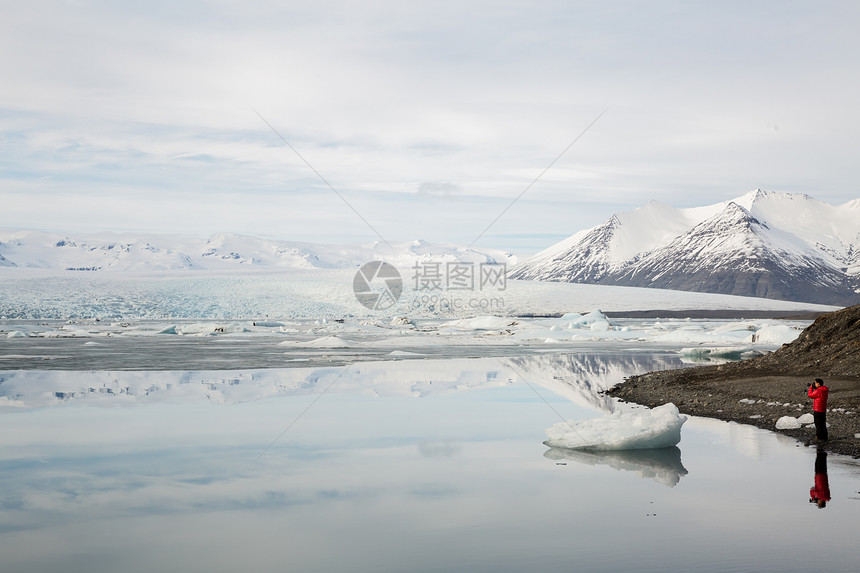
(792, 423)
(788, 423)
(324, 342)
(643, 429)
(595, 320)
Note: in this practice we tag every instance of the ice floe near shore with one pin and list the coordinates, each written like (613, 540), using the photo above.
(622, 430)
(792, 423)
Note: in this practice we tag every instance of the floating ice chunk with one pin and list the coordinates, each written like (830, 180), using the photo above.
(78, 332)
(205, 329)
(624, 430)
(587, 320)
(788, 423)
(718, 353)
(482, 323)
(775, 334)
(806, 418)
(686, 337)
(327, 342)
(737, 327)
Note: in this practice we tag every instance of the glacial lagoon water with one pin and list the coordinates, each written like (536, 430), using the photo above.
(408, 465)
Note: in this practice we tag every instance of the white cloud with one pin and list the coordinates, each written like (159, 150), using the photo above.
(128, 110)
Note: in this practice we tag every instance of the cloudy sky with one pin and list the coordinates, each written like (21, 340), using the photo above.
(427, 118)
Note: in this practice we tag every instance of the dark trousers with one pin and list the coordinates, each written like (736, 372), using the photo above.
(820, 425)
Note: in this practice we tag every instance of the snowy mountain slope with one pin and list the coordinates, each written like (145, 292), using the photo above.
(5, 262)
(773, 245)
(734, 253)
(223, 251)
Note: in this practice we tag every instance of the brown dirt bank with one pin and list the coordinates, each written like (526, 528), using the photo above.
(829, 349)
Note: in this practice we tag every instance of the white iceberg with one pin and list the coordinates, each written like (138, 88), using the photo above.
(776, 334)
(595, 317)
(624, 430)
(792, 423)
(788, 423)
(325, 342)
(482, 323)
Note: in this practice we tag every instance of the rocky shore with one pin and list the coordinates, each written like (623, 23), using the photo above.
(761, 390)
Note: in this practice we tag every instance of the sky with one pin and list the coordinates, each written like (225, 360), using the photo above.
(416, 120)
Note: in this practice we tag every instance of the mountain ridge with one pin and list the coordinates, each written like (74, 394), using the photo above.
(220, 251)
(764, 244)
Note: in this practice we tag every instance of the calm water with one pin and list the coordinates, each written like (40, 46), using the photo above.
(419, 465)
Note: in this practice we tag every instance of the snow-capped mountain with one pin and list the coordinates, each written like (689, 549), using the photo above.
(224, 251)
(772, 245)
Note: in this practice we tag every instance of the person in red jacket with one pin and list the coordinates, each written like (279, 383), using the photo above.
(818, 392)
(819, 494)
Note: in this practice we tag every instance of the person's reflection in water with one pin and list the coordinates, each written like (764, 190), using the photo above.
(819, 494)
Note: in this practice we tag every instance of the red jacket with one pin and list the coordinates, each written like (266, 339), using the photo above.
(819, 398)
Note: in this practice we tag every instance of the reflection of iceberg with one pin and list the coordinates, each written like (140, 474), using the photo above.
(643, 429)
(662, 465)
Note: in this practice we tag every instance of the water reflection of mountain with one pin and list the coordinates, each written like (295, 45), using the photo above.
(579, 377)
(663, 466)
